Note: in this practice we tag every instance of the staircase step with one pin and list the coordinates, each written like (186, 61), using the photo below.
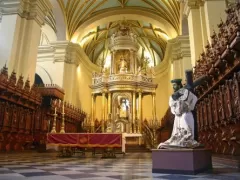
(136, 148)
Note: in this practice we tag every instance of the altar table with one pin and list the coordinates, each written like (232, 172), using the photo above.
(85, 140)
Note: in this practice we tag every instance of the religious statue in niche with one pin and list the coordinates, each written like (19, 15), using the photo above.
(182, 102)
(123, 108)
(123, 65)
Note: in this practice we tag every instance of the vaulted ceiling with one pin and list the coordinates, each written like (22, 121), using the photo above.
(151, 40)
(91, 23)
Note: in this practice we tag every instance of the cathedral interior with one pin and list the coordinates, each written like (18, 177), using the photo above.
(86, 73)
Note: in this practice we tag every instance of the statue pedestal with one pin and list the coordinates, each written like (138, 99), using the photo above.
(181, 161)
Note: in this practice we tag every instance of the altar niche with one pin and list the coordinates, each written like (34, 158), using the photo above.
(122, 85)
(121, 112)
(123, 62)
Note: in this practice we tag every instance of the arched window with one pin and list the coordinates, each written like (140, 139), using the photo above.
(38, 80)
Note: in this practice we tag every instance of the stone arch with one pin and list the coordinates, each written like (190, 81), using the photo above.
(60, 20)
(47, 35)
(38, 80)
(44, 75)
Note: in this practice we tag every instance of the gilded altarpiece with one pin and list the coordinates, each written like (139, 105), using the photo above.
(122, 86)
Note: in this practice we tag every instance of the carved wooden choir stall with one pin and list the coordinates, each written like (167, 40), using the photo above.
(26, 114)
(218, 107)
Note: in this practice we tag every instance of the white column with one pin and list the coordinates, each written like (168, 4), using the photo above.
(70, 81)
(20, 34)
(69, 54)
(214, 11)
(195, 29)
(181, 56)
(203, 25)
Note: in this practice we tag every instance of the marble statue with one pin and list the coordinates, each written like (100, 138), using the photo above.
(123, 65)
(123, 111)
(182, 102)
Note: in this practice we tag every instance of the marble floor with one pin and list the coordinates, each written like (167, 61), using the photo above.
(47, 166)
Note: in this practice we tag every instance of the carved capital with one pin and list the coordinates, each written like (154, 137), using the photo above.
(28, 9)
(104, 91)
(181, 47)
(194, 4)
(140, 91)
(67, 52)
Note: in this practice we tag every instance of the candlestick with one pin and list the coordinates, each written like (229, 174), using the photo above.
(63, 120)
(54, 120)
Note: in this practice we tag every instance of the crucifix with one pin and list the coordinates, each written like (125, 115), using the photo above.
(190, 85)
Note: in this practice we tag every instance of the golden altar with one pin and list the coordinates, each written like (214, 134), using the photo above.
(122, 85)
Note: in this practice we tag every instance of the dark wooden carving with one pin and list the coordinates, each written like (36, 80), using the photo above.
(26, 114)
(218, 107)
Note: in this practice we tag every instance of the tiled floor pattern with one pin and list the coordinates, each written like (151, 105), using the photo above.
(46, 166)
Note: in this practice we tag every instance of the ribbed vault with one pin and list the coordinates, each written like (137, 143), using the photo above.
(81, 18)
(152, 40)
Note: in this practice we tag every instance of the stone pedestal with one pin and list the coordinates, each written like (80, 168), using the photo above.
(181, 161)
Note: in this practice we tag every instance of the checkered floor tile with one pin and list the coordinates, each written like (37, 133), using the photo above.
(138, 166)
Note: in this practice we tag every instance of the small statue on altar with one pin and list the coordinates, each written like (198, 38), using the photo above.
(123, 65)
(113, 38)
(182, 102)
(123, 109)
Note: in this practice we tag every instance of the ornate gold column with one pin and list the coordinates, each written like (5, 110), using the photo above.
(103, 111)
(113, 63)
(154, 106)
(132, 62)
(93, 112)
(139, 130)
(109, 103)
(135, 63)
(133, 112)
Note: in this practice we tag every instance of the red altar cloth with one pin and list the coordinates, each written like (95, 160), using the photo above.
(85, 139)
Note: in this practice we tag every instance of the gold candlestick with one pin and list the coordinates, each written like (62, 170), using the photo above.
(63, 120)
(54, 120)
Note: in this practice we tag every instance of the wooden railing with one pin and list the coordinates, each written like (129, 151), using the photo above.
(26, 113)
(218, 107)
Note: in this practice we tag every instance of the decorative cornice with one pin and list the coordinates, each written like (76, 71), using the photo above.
(181, 47)
(66, 52)
(193, 4)
(28, 9)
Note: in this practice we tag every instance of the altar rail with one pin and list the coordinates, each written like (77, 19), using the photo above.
(218, 107)
(26, 113)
